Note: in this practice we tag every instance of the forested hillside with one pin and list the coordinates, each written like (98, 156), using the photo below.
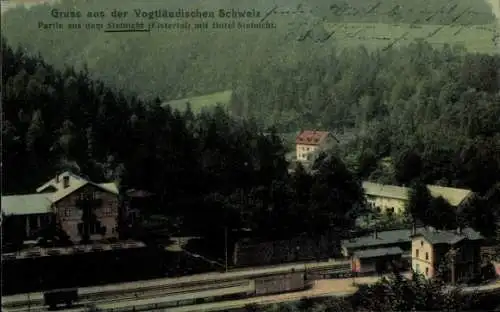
(208, 169)
(178, 64)
(435, 103)
(418, 112)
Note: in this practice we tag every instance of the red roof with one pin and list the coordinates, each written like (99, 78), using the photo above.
(309, 137)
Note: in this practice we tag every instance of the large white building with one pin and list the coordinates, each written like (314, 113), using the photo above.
(309, 142)
(393, 199)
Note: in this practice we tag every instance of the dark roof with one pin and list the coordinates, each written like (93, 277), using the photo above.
(344, 137)
(383, 238)
(449, 237)
(138, 193)
(379, 252)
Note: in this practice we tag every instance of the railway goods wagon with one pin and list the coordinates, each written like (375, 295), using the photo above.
(53, 298)
(273, 284)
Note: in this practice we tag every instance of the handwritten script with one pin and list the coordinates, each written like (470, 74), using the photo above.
(453, 13)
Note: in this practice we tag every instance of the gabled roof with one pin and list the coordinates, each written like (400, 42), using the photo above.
(75, 183)
(379, 252)
(26, 204)
(310, 137)
(387, 191)
(42, 201)
(57, 182)
(62, 193)
(454, 196)
(110, 187)
(382, 238)
(138, 193)
(448, 237)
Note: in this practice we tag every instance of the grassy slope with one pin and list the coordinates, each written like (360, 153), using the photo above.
(199, 103)
(377, 35)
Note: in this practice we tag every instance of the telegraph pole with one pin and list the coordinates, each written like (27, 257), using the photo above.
(225, 248)
(453, 253)
(353, 270)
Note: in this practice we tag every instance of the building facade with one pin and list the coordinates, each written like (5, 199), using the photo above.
(25, 215)
(455, 255)
(378, 260)
(392, 199)
(102, 205)
(308, 143)
(77, 205)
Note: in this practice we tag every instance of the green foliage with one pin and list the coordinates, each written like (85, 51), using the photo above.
(482, 213)
(208, 169)
(334, 186)
(396, 293)
(419, 201)
(432, 110)
(252, 307)
(197, 104)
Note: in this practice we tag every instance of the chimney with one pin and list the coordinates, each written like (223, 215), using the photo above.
(57, 178)
(414, 229)
(66, 181)
(375, 233)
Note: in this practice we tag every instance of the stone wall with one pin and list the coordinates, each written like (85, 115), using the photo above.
(276, 252)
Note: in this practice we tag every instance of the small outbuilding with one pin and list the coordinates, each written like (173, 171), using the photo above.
(376, 260)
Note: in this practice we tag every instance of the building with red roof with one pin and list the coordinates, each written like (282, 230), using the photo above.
(309, 142)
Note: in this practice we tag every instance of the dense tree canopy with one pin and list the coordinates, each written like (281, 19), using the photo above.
(432, 110)
(210, 169)
(416, 112)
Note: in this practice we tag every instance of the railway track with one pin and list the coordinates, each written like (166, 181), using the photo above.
(177, 287)
(141, 294)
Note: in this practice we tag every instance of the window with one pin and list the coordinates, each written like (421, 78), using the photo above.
(390, 210)
(416, 253)
(422, 243)
(93, 228)
(107, 210)
(96, 195)
(426, 256)
(67, 212)
(426, 271)
(417, 267)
